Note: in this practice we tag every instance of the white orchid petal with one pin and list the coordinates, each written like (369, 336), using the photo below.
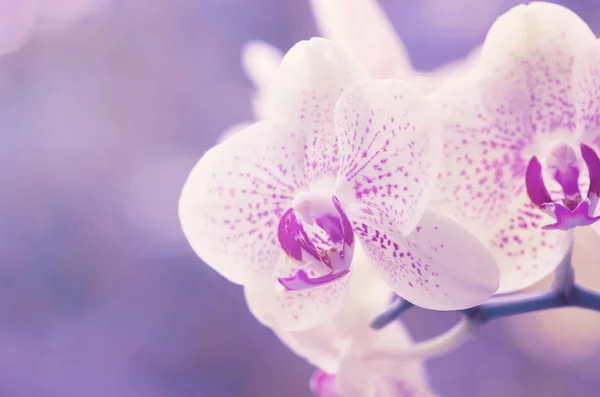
(439, 266)
(389, 142)
(524, 252)
(534, 47)
(586, 90)
(361, 374)
(486, 130)
(312, 76)
(303, 309)
(363, 28)
(231, 203)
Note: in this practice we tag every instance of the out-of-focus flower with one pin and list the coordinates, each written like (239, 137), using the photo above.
(57, 13)
(20, 18)
(353, 359)
(521, 139)
(282, 202)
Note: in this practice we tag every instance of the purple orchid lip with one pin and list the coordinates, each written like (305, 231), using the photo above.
(300, 280)
(323, 241)
(571, 211)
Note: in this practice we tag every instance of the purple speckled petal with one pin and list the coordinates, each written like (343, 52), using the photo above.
(593, 165)
(524, 252)
(390, 144)
(534, 182)
(323, 384)
(309, 81)
(440, 265)
(486, 128)
(232, 201)
(300, 280)
(364, 29)
(534, 48)
(567, 219)
(586, 92)
(298, 310)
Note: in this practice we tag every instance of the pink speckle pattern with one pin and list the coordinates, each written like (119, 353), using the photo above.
(527, 100)
(439, 266)
(309, 82)
(524, 251)
(486, 131)
(232, 201)
(533, 49)
(587, 97)
(389, 141)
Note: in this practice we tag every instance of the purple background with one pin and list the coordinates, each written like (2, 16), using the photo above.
(100, 295)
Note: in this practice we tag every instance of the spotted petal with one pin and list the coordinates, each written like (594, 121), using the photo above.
(322, 346)
(231, 203)
(534, 47)
(307, 85)
(440, 265)
(390, 144)
(364, 29)
(524, 252)
(486, 130)
(296, 310)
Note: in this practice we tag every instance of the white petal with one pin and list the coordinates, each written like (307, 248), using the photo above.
(231, 203)
(586, 90)
(534, 47)
(364, 29)
(312, 76)
(260, 61)
(486, 129)
(524, 252)
(296, 310)
(322, 346)
(440, 266)
(389, 147)
(361, 373)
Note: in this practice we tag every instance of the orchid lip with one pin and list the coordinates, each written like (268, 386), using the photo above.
(317, 233)
(571, 211)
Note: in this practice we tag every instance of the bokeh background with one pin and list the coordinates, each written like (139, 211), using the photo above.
(104, 108)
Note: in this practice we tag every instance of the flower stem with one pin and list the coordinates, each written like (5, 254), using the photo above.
(516, 304)
(395, 310)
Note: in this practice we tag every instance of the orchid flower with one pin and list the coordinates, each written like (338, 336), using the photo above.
(284, 202)
(521, 140)
(346, 350)
(363, 29)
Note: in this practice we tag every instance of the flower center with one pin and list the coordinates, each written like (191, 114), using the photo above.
(570, 210)
(317, 233)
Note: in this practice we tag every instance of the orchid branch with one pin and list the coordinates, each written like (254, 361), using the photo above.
(564, 293)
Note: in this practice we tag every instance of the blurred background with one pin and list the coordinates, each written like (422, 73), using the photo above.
(105, 105)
